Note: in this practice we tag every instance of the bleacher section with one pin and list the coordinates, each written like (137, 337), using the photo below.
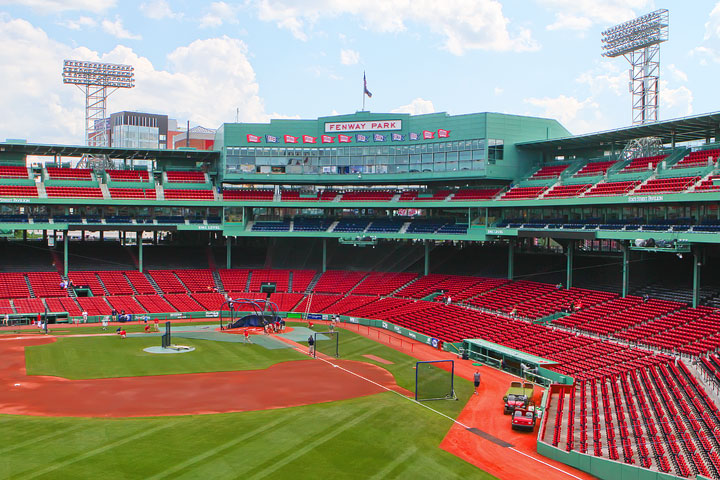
(643, 163)
(188, 194)
(128, 175)
(549, 171)
(10, 171)
(74, 192)
(82, 174)
(185, 177)
(607, 189)
(522, 193)
(699, 158)
(666, 185)
(133, 193)
(567, 191)
(241, 194)
(18, 191)
(594, 168)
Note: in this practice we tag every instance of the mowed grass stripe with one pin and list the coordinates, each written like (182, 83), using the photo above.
(399, 460)
(281, 460)
(96, 451)
(41, 438)
(218, 450)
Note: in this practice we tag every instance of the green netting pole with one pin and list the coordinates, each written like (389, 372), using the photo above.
(696, 277)
(625, 270)
(228, 252)
(570, 255)
(511, 260)
(324, 254)
(65, 252)
(427, 257)
(140, 251)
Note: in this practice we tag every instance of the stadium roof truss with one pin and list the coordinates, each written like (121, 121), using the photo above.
(685, 129)
(47, 150)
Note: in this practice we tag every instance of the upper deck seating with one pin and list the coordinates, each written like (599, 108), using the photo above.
(55, 173)
(367, 196)
(666, 185)
(13, 285)
(243, 194)
(520, 193)
(416, 196)
(643, 163)
(185, 177)
(549, 171)
(594, 168)
(188, 194)
(12, 171)
(128, 175)
(607, 189)
(710, 184)
(338, 281)
(18, 191)
(74, 192)
(699, 158)
(567, 191)
(475, 194)
(133, 193)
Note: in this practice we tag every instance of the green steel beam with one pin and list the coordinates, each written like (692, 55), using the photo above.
(511, 260)
(140, 250)
(697, 264)
(625, 270)
(228, 252)
(570, 259)
(427, 257)
(65, 252)
(324, 255)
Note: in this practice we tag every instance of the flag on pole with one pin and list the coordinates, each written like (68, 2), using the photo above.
(365, 89)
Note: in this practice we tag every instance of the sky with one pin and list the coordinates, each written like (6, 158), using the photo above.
(212, 62)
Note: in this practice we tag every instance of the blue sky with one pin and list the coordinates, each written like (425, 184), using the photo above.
(200, 61)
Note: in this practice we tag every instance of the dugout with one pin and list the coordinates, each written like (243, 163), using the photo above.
(512, 361)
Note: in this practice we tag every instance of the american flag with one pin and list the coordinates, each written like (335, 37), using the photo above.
(365, 89)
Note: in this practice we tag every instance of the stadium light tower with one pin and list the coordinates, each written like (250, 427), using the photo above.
(94, 79)
(639, 40)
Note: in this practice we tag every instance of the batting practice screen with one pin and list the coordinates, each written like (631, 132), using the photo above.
(327, 343)
(435, 380)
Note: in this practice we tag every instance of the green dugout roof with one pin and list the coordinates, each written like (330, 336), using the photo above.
(510, 352)
(698, 127)
(48, 150)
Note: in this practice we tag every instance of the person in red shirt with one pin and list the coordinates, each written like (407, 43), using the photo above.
(123, 333)
(157, 325)
(246, 333)
(147, 328)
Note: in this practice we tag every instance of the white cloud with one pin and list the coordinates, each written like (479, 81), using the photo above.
(566, 109)
(498, 91)
(606, 76)
(712, 27)
(583, 14)
(677, 74)
(157, 10)
(219, 13)
(463, 24)
(418, 106)
(675, 102)
(116, 29)
(705, 54)
(349, 57)
(80, 24)
(53, 6)
(204, 82)
(564, 21)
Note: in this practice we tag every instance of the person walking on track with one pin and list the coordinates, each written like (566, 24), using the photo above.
(311, 345)
(476, 381)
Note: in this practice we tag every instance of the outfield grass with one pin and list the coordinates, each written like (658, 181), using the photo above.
(103, 356)
(382, 436)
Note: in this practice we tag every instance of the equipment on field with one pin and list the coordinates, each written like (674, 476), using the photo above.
(435, 380)
(327, 343)
(261, 311)
(166, 338)
(518, 395)
(524, 418)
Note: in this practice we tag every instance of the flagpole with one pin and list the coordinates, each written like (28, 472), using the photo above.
(363, 92)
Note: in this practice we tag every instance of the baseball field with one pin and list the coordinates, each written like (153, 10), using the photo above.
(85, 403)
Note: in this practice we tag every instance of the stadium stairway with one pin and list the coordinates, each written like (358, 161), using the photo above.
(218, 281)
(153, 283)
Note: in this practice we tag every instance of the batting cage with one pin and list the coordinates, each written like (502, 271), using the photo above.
(327, 343)
(435, 380)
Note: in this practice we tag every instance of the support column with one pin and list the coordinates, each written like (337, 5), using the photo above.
(228, 252)
(45, 237)
(24, 235)
(324, 254)
(427, 257)
(139, 236)
(102, 235)
(625, 270)
(570, 259)
(65, 252)
(511, 260)
(697, 264)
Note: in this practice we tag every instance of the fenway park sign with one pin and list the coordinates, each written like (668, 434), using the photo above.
(374, 125)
